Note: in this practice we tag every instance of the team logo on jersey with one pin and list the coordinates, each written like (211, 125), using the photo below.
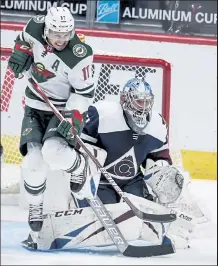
(79, 50)
(123, 169)
(26, 131)
(40, 73)
(39, 19)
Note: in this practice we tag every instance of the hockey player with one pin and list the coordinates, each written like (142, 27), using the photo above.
(49, 51)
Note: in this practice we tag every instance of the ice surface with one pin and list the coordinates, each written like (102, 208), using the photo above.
(14, 229)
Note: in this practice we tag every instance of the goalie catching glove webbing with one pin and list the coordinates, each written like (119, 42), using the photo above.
(73, 125)
(21, 58)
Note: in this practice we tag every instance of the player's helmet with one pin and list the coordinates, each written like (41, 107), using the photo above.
(137, 100)
(59, 23)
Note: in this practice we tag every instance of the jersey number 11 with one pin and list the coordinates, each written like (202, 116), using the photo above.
(86, 72)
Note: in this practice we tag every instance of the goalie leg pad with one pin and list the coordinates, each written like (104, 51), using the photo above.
(80, 228)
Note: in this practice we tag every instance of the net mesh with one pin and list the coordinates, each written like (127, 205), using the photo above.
(103, 85)
(9, 142)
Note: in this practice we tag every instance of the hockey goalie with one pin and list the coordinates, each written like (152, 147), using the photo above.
(129, 138)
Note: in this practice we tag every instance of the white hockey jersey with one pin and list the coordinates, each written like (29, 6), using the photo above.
(59, 73)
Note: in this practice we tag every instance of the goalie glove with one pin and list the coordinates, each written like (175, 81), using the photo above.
(167, 181)
(21, 58)
(72, 125)
(170, 184)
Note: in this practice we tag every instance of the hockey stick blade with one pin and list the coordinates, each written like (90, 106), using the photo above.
(148, 251)
(160, 218)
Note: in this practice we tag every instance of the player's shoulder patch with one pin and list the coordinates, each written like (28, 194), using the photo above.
(79, 50)
(75, 52)
(82, 50)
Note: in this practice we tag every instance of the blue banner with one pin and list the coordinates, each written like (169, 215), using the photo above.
(108, 11)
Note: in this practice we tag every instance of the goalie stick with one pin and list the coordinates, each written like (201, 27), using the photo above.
(160, 218)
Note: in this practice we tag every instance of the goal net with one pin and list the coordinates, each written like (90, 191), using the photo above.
(110, 72)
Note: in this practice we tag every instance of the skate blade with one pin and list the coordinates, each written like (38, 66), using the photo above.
(30, 243)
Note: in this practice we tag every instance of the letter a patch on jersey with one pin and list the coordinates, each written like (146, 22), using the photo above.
(125, 167)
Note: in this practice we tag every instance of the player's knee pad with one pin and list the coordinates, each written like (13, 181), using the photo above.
(167, 181)
(58, 154)
(34, 170)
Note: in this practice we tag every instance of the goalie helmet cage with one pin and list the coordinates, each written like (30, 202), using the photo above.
(110, 71)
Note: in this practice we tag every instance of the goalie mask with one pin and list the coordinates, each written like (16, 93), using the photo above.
(59, 27)
(137, 100)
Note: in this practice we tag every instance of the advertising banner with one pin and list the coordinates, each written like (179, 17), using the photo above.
(41, 7)
(187, 17)
(108, 11)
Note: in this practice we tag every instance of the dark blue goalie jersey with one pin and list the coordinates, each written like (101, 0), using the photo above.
(106, 128)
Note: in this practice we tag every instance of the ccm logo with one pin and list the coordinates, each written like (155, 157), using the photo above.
(68, 213)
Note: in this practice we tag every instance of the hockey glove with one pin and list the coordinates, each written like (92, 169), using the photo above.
(21, 58)
(73, 125)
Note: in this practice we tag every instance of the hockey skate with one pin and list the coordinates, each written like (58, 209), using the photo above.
(77, 180)
(35, 219)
